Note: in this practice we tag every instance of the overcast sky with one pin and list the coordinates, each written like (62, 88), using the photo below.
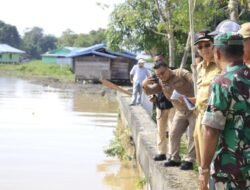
(55, 16)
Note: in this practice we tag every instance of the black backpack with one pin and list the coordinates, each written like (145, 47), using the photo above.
(162, 102)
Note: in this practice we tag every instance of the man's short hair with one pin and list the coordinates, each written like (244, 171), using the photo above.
(159, 56)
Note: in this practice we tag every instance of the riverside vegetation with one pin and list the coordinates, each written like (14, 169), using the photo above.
(122, 147)
(38, 69)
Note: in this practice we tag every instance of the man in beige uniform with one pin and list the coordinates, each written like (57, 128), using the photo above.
(207, 70)
(184, 119)
(163, 108)
(245, 32)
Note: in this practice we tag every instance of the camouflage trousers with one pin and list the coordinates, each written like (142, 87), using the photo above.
(225, 184)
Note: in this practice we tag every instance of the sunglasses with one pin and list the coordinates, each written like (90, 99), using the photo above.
(205, 46)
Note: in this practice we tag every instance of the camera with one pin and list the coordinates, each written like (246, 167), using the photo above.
(156, 79)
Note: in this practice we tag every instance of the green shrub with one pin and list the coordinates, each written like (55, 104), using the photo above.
(122, 145)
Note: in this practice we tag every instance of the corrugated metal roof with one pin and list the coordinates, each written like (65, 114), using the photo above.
(4, 48)
(104, 54)
(131, 56)
(61, 52)
(87, 50)
(100, 49)
(73, 48)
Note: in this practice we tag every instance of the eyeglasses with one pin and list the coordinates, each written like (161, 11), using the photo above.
(205, 46)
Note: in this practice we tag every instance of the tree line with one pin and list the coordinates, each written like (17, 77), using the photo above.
(163, 25)
(139, 25)
(35, 43)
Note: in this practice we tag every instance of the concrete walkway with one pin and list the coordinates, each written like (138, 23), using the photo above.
(144, 135)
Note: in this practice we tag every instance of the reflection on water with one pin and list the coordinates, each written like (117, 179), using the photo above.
(53, 139)
(119, 175)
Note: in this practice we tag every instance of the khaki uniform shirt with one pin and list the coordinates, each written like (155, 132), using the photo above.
(182, 82)
(205, 77)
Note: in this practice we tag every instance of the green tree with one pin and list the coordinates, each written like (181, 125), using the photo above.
(82, 40)
(97, 36)
(9, 35)
(151, 25)
(31, 41)
(35, 43)
(69, 38)
(133, 25)
(47, 43)
(233, 9)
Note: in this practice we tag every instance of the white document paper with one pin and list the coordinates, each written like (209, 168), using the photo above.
(176, 95)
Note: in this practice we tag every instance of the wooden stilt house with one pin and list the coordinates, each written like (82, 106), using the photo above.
(97, 62)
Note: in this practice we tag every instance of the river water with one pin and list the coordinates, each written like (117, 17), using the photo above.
(53, 139)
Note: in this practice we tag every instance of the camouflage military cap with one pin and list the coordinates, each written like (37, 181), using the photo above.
(228, 39)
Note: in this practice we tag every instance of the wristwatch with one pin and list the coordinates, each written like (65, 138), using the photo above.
(203, 170)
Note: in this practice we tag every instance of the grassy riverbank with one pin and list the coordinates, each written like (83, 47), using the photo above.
(38, 69)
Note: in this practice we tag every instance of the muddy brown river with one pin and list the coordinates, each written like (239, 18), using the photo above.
(53, 139)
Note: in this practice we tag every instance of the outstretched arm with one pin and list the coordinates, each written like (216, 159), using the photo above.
(150, 87)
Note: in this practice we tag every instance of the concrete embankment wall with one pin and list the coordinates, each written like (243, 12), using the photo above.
(144, 135)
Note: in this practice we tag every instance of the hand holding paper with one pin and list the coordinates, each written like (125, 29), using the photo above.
(176, 96)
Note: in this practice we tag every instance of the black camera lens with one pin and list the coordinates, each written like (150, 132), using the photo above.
(156, 79)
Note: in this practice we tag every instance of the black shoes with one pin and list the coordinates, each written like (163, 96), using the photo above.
(167, 134)
(159, 157)
(186, 165)
(172, 163)
(183, 166)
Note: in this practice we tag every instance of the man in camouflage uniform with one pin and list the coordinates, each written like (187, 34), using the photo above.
(245, 32)
(227, 119)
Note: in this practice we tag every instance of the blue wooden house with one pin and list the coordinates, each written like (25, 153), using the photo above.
(97, 62)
